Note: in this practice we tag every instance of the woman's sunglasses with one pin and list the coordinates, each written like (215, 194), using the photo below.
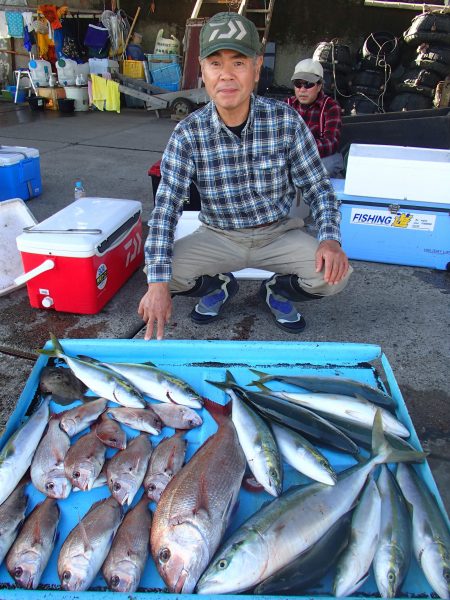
(299, 83)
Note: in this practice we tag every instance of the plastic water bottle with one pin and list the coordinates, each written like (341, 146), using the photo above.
(79, 191)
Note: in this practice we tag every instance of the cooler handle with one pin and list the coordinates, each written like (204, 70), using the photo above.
(45, 266)
(31, 229)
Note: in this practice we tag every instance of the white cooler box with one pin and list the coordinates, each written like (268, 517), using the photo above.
(77, 259)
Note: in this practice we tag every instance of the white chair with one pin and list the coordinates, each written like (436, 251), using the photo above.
(17, 75)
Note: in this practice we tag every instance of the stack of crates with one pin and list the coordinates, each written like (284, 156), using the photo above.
(135, 69)
(165, 71)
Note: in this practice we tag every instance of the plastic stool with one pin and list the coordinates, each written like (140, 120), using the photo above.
(17, 75)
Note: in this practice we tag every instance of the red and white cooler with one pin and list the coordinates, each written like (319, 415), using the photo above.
(77, 259)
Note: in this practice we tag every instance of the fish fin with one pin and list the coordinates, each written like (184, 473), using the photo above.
(46, 352)
(170, 461)
(260, 385)
(37, 534)
(385, 451)
(149, 363)
(86, 543)
(202, 503)
(169, 398)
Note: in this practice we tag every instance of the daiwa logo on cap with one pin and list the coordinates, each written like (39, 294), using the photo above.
(229, 31)
(233, 28)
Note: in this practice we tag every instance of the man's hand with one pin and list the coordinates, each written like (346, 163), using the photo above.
(330, 255)
(156, 308)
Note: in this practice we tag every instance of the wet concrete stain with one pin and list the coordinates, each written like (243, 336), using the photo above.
(438, 279)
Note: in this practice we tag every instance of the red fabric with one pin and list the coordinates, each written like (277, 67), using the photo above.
(326, 129)
(155, 169)
(50, 13)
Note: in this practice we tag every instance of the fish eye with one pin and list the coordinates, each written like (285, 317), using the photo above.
(164, 555)
(115, 580)
(116, 486)
(18, 571)
(447, 575)
(76, 474)
(114, 440)
(391, 576)
(222, 564)
(66, 575)
(152, 487)
(49, 486)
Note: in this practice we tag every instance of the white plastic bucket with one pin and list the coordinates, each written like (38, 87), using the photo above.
(166, 45)
(40, 72)
(67, 71)
(80, 95)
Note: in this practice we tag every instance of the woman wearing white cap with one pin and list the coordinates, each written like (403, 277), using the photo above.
(321, 113)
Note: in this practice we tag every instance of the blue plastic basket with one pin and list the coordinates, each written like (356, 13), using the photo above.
(156, 61)
(169, 73)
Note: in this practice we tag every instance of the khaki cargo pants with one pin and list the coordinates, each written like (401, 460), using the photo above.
(283, 247)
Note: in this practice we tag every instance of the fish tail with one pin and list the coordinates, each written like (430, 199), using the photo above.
(385, 452)
(57, 348)
(224, 385)
(260, 385)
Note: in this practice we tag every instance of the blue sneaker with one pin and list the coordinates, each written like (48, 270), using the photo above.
(283, 311)
(209, 307)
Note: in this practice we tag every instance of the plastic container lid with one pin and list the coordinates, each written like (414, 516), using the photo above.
(12, 155)
(62, 233)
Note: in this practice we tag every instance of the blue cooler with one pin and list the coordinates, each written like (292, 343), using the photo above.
(20, 173)
(395, 205)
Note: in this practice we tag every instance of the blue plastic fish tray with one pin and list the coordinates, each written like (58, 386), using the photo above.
(196, 362)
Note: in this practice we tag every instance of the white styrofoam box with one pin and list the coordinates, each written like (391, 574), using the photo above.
(189, 222)
(100, 66)
(398, 172)
(14, 216)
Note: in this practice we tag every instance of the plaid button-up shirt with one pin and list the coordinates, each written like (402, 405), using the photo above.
(242, 182)
(323, 118)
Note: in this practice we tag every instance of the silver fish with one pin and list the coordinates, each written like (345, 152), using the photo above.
(126, 560)
(165, 462)
(111, 433)
(18, 452)
(84, 461)
(195, 508)
(177, 416)
(76, 419)
(303, 456)
(353, 410)
(12, 515)
(331, 385)
(126, 469)
(309, 568)
(88, 544)
(393, 555)
(248, 556)
(158, 384)
(103, 382)
(47, 469)
(353, 566)
(430, 533)
(143, 419)
(30, 553)
(258, 444)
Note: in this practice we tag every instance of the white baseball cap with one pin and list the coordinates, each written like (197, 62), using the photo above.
(308, 70)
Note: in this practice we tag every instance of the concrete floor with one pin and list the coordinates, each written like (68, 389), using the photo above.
(404, 310)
